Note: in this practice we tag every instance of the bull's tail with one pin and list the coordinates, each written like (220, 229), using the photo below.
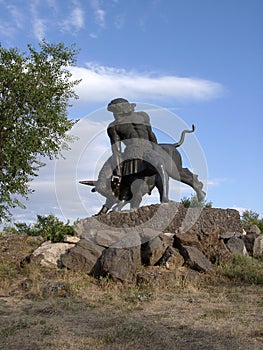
(180, 142)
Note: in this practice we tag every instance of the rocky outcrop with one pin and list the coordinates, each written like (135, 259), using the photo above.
(165, 236)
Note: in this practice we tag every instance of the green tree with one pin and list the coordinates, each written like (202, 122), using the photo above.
(249, 218)
(35, 90)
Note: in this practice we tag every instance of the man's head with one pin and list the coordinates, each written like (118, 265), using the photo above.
(121, 106)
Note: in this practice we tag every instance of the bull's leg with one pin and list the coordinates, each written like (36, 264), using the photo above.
(105, 190)
(120, 205)
(173, 164)
(104, 210)
(187, 177)
(103, 186)
(193, 177)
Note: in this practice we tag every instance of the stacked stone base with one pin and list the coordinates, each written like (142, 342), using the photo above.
(168, 235)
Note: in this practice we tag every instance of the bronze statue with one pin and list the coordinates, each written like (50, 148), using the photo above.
(142, 159)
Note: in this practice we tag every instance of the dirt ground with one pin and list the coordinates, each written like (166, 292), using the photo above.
(47, 310)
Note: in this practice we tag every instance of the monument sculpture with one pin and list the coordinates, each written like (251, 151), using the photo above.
(132, 172)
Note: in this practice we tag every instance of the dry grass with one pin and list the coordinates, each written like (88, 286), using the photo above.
(49, 309)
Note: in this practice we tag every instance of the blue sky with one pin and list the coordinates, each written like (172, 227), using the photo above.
(184, 61)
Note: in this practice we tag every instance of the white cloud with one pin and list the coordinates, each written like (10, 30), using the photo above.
(240, 209)
(6, 29)
(100, 83)
(39, 28)
(99, 13)
(38, 23)
(93, 36)
(78, 18)
(100, 16)
(8, 26)
(215, 182)
(17, 15)
(75, 20)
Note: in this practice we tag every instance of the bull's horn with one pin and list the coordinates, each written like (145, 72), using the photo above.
(88, 182)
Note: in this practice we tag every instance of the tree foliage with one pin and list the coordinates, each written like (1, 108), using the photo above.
(35, 90)
(193, 202)
(249, 218)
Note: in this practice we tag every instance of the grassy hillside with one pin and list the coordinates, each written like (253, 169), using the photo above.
(60, 309)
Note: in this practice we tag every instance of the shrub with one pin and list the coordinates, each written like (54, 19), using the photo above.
(193, 202)
(244, 268)
(49, 227)
(52, 228)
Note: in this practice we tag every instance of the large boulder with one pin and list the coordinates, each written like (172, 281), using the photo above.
(153, 250)
(70, 239)
(236, 246)
(171, 259)
(258, 245)
(195, 259)
(188, 238)
(228, 234)
(50, 254)
(83, 256)
(214, 245)
(249, 241)
(254, 229)
(106, 238)
(119, 264)
(122, 260)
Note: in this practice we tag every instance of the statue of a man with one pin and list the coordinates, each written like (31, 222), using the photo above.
(140, 157)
